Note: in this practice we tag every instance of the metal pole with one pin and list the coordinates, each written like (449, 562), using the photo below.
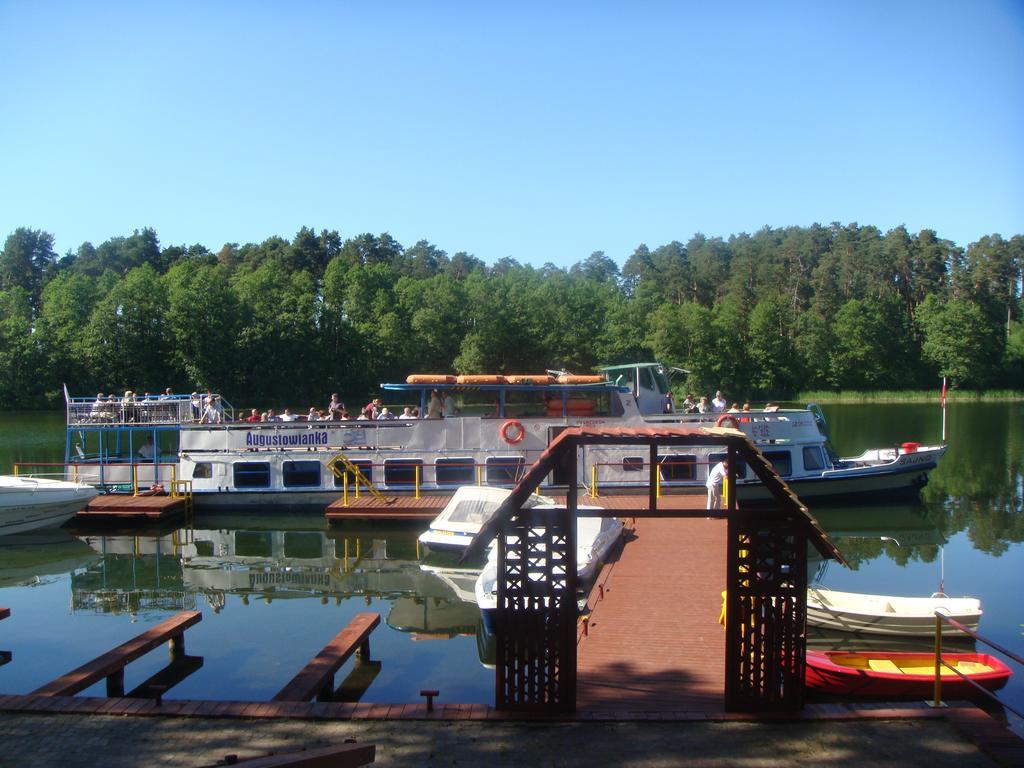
(937, 702)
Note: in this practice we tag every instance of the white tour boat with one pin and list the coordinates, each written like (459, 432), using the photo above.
(28, 503)
(497, 427)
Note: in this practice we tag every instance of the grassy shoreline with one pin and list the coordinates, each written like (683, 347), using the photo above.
(912, 396)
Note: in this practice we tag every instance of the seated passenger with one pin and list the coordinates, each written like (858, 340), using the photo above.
(287, 415)
(147, 452)
(407, 413)
(385, 414)
(253, 417)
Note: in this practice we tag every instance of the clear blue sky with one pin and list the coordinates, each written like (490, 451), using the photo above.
(540, 131)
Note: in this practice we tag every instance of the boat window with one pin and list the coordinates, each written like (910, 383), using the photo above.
(202, 470)
(505, 470)
(633, 464)
(454, 471)
(252, 474)
(782, 461)
(403, 471)
(473, 511)
(254, 543)
(813, 458)
(298, 473)
(647, 379)
(304, 545)
(741, 466)
(678, 466)
(365, 468)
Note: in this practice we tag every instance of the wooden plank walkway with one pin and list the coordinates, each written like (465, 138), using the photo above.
(113, 506)
(427, 507)
(654, 644)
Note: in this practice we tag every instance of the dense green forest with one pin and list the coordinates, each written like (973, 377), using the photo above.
(288, 322)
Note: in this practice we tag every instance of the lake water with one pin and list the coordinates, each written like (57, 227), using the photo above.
(274, 588)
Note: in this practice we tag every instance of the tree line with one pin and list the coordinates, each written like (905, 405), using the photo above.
(759, 316)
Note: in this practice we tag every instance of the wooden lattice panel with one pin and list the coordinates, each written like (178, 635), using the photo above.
(535, 617)
(765, 635)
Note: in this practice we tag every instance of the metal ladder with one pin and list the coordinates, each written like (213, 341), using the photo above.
(342, 459)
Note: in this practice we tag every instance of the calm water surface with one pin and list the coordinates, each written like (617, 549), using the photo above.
(274, 588)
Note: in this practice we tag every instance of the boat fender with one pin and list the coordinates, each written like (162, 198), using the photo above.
(512, 432)
(727, 417)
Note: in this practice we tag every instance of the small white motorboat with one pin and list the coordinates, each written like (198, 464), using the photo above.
(887, 614)
(462, 517)
(28, 503)
(595, 536)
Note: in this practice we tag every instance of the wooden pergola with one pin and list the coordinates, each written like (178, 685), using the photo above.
(766, 585)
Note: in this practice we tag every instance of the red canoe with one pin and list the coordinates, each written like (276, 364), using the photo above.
(896, 675)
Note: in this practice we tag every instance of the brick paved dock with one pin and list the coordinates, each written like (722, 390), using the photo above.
(654, 642)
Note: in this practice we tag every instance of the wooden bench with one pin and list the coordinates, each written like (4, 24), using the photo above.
(112, 663)
(316, 679)
(342, 756)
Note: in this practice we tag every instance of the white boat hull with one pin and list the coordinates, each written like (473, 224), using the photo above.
(28, 504)
(888, 615)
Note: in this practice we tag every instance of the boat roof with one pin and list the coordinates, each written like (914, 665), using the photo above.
(602, 386)
(629, 366)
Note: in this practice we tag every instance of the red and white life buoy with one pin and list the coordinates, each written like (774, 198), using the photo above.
(727, 416)
(512, 432)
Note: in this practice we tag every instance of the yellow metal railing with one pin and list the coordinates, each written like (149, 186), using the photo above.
(940, 662)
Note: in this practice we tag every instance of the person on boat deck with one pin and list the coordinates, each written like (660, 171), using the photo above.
(99, 407)
(288, 415)
(703, 406)
(148, 451)
(718, 405)
(770, 408)
(448, 405)
(372, 409)
(167, 395)
(689, 405)
(434, 408)
(385, 414)
(716, 477)
(197, 406)
(335, 406)
(211, 415)
(254, 416)
(407, 413)
(313, 415)
(746, 407)
(734, 408)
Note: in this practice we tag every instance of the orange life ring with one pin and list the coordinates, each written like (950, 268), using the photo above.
(730, 417)
(516, 436)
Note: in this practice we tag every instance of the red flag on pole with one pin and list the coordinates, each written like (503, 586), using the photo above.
(943, 390)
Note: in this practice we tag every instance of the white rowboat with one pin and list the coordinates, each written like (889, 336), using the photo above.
(887, 614)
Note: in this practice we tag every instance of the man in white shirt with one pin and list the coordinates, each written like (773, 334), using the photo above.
(718, 405)
(716, 478)
(147, 451)
(288, 415)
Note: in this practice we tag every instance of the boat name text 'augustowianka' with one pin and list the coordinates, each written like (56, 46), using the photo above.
(304, 438)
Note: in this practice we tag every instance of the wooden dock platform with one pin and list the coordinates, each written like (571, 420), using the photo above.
(115, 506)
(427, 507)
(653, 643)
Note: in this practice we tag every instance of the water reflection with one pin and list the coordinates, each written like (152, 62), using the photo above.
(270, 559)
(30, 558)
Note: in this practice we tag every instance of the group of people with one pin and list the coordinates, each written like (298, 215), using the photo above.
(718, 405)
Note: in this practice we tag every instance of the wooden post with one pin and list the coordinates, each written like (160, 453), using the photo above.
(115, 684)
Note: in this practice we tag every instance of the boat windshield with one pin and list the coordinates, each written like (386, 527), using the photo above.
(477, 511)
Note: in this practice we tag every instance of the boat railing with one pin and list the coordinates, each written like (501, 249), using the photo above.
(940, 617)
(121, 477)
(670, 471)
(112, 412)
